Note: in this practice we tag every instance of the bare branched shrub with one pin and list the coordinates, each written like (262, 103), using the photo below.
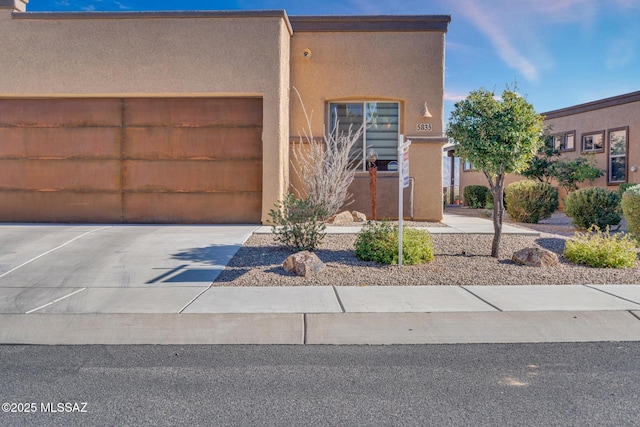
(325, 166)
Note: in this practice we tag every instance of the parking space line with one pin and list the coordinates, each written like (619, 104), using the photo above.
(51, 250)
(55, 301)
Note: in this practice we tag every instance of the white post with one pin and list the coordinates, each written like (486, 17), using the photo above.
(400, 197)
(402, 147)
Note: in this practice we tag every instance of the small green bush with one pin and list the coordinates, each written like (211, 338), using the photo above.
(631, 210)
(379, 242)
(477, 196)
(624, 187)
(530, 201)
(297, 223)
(601, 250)
(593, 206)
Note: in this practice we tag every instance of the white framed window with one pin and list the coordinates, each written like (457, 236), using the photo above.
(593, 142)
(380, 134)
(468, 166)
(565, 141)
(617, 155)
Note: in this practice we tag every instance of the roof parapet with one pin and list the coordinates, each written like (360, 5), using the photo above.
(16, 5)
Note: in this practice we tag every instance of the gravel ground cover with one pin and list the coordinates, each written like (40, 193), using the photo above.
(461, 259)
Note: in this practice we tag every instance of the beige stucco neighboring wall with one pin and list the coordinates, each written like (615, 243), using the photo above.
(170, 54)
(402, 66)
(604, 119)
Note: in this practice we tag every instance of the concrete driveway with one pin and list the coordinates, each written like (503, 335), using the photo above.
(111, 268)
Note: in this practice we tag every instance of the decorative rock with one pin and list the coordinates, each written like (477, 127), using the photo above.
(342, 218)
(303, 264)
(535, 257)
(359, 216)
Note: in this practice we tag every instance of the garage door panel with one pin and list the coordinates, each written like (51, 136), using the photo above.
(190, 112)
(192, 176)
(155, 143)
(66, 112)
(60, 143)
(53, 175)
(203, 208)
(195, 160)
(26, 206)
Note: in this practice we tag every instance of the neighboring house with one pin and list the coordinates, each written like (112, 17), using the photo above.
(608, 129)
(175, 117)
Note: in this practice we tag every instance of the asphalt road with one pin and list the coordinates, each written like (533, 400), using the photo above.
(446, 385)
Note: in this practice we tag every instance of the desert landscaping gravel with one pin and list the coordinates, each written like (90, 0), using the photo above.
(460, 259)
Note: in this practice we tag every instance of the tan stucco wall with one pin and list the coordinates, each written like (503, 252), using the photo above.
(604, 119)
(407, 67)
(159, 54)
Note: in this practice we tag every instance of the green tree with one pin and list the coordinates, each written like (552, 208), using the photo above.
(499, 136)
(540, 167)
(569, 173)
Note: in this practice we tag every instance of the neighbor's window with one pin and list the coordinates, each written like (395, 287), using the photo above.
(380, 134)
(468, 166)
(565, 141)
(593, 142)
(618, 155)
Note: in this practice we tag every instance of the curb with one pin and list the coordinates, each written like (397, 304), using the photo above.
(321, 328)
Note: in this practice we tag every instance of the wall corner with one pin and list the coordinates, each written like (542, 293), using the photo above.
(16, 5)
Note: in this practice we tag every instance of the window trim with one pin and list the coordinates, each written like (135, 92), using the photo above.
(564, 141)
(626, 155)
(364, 131)
(467, 166)
(593, 151)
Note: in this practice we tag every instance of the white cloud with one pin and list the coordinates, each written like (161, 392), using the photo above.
(497, 34)
(454, 97)
(620, 53)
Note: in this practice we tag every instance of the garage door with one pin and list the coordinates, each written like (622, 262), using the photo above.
(191, 160)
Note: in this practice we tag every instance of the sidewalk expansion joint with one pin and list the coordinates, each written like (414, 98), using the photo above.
(335, 291)
(483, 300)
(613, 295)
(193, 300)
(304, 328)
(634, 314)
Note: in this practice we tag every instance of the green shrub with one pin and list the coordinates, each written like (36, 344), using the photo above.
(297, 223)
(476, 196)
(601, 250)
(631, 209)
(530, 201)
(379, 242)
(593, 206)
(624, 187)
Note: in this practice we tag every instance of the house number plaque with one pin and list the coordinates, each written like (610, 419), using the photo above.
(424, 127)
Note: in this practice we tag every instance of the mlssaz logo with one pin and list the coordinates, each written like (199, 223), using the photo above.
(64, 407)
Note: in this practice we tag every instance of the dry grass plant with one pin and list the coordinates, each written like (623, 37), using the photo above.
(325, 166)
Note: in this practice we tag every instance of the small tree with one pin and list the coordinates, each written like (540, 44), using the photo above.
(569, 173)
(540, 167)
(325, 167)
(498, 136)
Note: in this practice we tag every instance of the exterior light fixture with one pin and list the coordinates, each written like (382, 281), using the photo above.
(425, 111)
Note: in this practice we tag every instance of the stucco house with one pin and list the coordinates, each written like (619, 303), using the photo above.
(608, 129)
(189, 117)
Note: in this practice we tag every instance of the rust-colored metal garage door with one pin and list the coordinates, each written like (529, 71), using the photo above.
(151, 160)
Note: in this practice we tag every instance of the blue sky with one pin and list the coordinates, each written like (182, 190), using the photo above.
(560, 52)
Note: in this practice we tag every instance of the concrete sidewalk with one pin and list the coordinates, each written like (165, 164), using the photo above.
(454, 224)
(347, 315)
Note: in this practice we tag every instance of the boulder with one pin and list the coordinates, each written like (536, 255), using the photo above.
(359, 216)
(535, 257)
(303, 264)
(342, 218)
